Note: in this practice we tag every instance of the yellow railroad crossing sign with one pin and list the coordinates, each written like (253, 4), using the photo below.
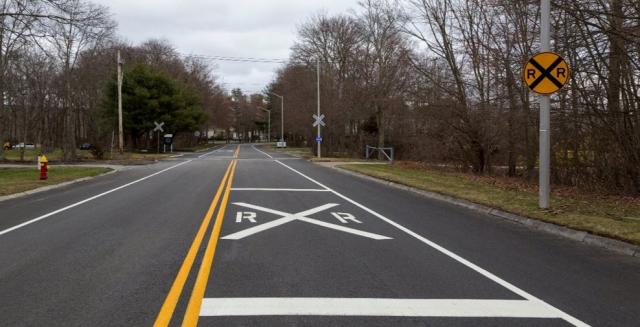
(545, 73)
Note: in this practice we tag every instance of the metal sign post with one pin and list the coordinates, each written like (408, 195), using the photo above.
(545, 73)
(168, 140)
(319, 136)
(158, 129)
(317, 123)
(545, 112)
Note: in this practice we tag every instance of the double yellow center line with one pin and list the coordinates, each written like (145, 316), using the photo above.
(195, 301)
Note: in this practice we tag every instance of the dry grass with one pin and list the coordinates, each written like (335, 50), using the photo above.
(307, 153)
(32, 154)
(16, 180)
(612, 216)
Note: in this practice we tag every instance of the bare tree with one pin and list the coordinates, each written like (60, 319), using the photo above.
(87, 27)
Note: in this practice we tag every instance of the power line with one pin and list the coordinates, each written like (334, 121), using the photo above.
(231, 58)
(237, 59)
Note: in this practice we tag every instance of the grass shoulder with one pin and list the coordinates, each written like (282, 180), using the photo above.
(17, 180)
(31, 155)
(611, 216)
(307, 153)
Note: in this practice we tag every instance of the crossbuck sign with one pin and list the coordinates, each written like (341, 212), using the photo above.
(158, 126)
(318, 120)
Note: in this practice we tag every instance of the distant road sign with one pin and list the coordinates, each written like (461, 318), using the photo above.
(318, 120)
(158, 127)
(546, 73)
(319, 139)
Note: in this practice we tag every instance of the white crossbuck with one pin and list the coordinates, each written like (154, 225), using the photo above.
(300, 216)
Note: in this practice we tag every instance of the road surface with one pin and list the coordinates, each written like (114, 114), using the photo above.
(243, 236)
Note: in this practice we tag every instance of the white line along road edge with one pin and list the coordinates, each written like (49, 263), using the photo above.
(560, 314)
(293, 306)
(266, 154)
(88, 199)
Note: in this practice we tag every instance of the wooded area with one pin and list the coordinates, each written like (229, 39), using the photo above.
(58, 72)
(438, 80)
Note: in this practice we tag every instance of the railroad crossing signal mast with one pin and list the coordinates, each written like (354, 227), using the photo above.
(545, 73)
(319, 135)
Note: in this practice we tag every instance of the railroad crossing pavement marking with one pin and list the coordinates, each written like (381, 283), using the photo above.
(300, 216)
(560, 314)
(529, 307)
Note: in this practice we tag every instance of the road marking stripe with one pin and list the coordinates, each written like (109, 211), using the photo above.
(169, 305)
(257, 229)
(344, 229)
(212, 158)
(487, 274)
(286, 218)
(279, 189)
(195, 301)
(235, 154)
(282, 213)
(88, 199)
(266, 154)
(211, 152)
(375, 307)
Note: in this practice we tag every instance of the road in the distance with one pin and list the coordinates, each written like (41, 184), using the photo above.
(277, 241)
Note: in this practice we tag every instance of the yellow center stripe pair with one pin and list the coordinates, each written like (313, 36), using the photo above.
(195, 301)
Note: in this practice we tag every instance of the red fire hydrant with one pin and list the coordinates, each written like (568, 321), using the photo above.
(43, 167)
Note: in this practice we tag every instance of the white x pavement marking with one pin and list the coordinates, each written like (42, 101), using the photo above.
(301, 216)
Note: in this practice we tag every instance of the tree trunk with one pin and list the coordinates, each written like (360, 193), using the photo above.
(380, 123)
(69, 147)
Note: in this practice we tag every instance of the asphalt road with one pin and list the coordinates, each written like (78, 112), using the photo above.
(242, 236)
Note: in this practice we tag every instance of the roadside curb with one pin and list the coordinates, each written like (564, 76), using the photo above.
(52, 187)
(573, 234)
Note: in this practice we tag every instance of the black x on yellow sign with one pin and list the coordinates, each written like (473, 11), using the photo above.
(546, 73)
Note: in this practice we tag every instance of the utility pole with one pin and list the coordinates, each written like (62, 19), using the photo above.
(318, 85)
(282, 118)
(545, 109)
(120, 132)
(268, 123)
(281, 114)
(269, 128)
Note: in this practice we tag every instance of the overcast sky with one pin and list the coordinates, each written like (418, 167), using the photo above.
(238, 28)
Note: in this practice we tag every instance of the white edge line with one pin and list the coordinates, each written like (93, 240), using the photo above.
(266, 154)
(375, 307)
(88, 199)
(485, 273)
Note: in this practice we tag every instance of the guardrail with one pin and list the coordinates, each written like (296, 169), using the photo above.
(369, 150)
